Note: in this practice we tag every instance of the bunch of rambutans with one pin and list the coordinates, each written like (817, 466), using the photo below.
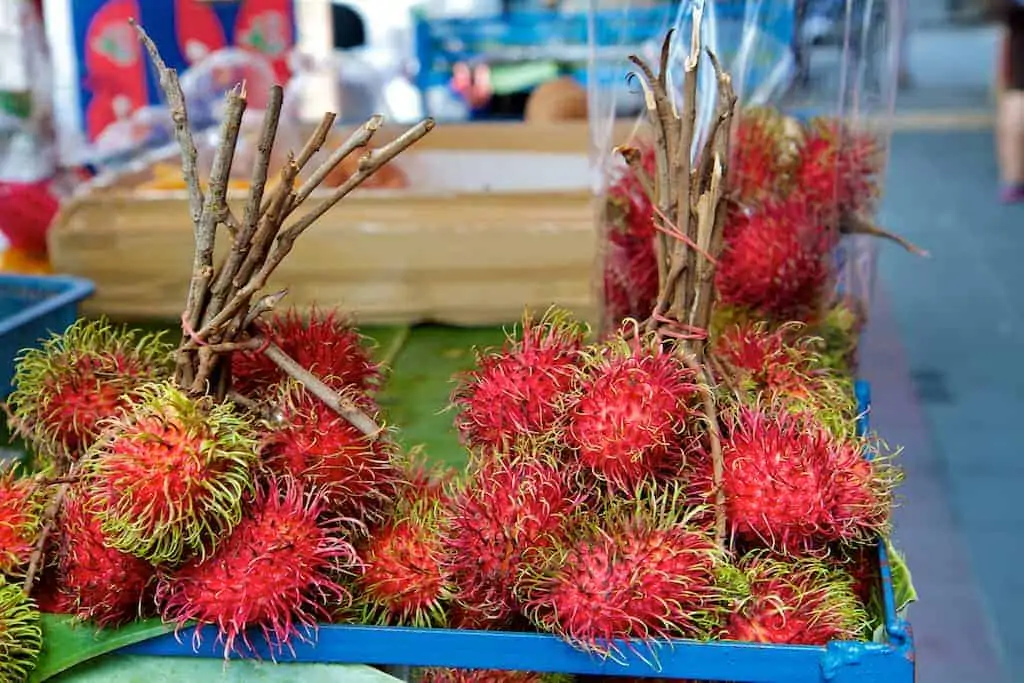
(590, 507)
(792, 186)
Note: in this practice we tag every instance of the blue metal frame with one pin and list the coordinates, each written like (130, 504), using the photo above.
(839, 662)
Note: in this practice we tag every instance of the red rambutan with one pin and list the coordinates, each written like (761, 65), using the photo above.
(324, 343)
(278, 571)
(757, 157)
(626, 419)
(836, 169)
(639, 569)
(793, 485)
(440, 675)
(315, 444)
(513, 501)
(630, 266)
(795, 602)
(775, 262)
(515, 392)
(96, 582)
(64, 388)
(21, 506)
(405, 579)
(168, 477)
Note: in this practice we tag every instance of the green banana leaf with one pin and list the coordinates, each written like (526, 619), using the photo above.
(137, 669)
(67, 643)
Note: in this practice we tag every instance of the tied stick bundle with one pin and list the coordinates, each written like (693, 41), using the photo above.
(222, 309)
(689, 198)
(690, 204)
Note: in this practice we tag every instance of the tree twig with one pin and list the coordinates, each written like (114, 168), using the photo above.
(335, 401)
(49, 521)
(705, 382)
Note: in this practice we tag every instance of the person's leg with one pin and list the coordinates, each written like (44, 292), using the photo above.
(1010, 118)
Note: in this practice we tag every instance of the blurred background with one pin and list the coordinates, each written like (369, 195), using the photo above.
(943, 348)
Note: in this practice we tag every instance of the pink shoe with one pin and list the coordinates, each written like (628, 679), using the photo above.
(1013, 194)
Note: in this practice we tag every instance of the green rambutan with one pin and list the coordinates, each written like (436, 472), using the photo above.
(278, 570)
(626, 419)
(779, 365)
(96, 582)
(315, 444)
(21, 505)
(405, 579)
(63, 389)
(639, 569)
(513, 501)
(793, 485)
(444, 675)
(21, 636)
(514, 392)
(323, 342)
(168, 477)
(795, 602)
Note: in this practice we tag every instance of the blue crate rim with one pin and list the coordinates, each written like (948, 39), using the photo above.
(394, 645)
(68, 290)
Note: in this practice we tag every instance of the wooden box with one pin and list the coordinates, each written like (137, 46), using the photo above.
(497, 217)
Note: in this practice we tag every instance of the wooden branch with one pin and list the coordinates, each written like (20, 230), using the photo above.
(251, 215)
(359, 139)
(855, 224)
(49, 519)
(705, 383)
(171, 87)
(369, 165)
(335, 401)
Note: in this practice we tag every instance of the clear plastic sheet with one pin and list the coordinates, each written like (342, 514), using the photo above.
(816, 83)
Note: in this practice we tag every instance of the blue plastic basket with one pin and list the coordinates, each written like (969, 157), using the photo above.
(31, 309)
(891, 661)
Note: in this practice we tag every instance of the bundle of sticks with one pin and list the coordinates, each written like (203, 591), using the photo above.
(225, 300)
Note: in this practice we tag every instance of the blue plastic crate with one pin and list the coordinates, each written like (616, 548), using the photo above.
(891, 661)
(31, 309)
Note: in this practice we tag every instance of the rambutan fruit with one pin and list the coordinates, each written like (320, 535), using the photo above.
(96, 582)
(21, 636)
(775, 262)
(444, 675)
(278, 571)
(64, 388)
(323, 342)
(405, 579)
(626, 419)
(836, 169)
(514, 392)
(315, 444)
(21, 504)
(638, 569)
(794, 486)
(168, 476)
(757, 168)
(780, 364)
(795, 602)
(630, 267)
(512, 501)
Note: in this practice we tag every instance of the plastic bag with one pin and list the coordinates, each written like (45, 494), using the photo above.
(30, 186)
(792, 135)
